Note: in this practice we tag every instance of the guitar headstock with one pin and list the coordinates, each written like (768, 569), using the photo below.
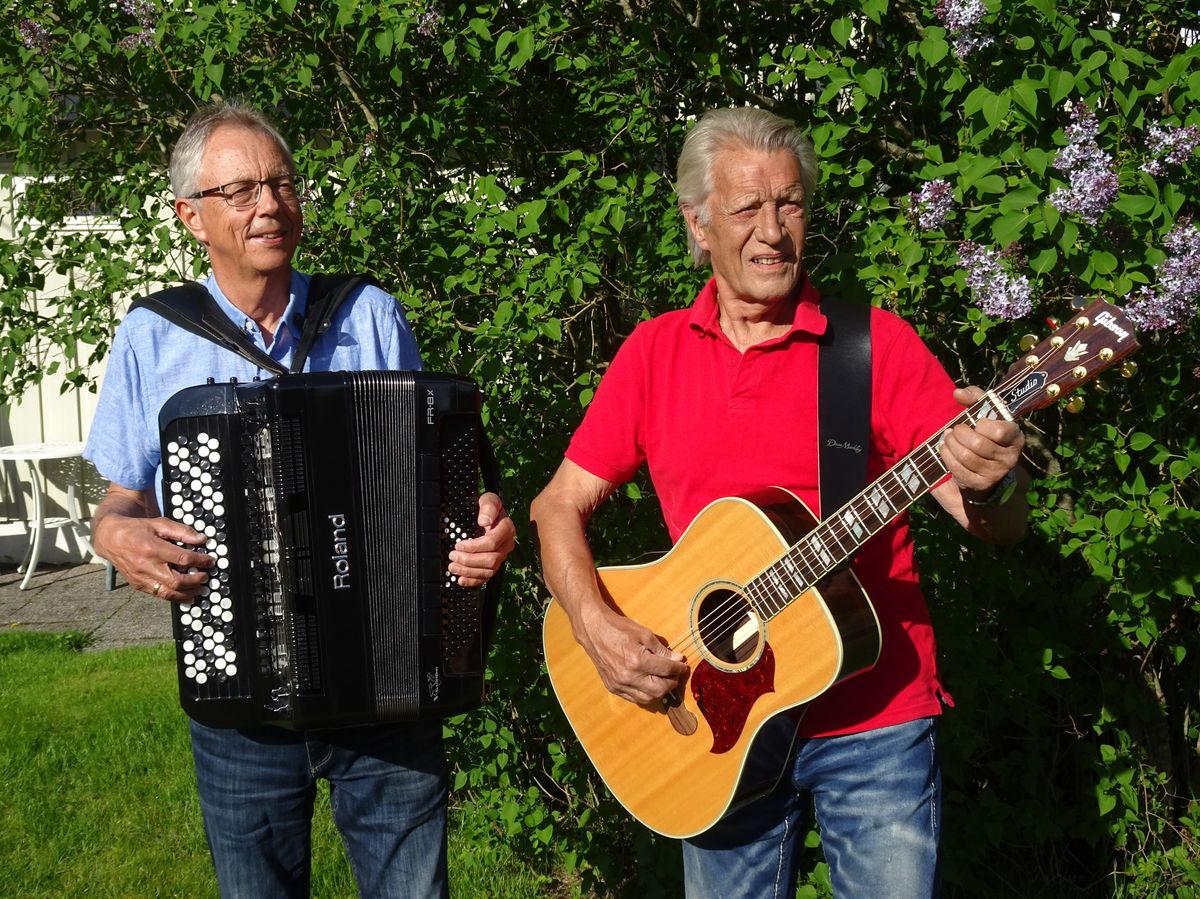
(1096, 339)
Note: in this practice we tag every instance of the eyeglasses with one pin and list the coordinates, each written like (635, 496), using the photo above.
(243, 194)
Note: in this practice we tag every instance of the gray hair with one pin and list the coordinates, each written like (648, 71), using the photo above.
(189, 150)
(747, 127)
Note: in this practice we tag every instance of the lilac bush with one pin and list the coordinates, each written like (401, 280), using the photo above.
(1170, 145)
(1170, 303)
(933, 203)
(963, 19)
(147, 17)
(34, 35)
(1093, 183)
(996, 290)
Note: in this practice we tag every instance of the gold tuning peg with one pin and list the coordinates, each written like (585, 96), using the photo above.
(1076, 403)
(1078, 303)
(1028, 342)
(1128, 368)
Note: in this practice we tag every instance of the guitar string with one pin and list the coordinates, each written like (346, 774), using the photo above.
(730, 614)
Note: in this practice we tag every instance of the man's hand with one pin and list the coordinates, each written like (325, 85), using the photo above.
(145, 549)
(632, 662)
(475, 561)
(979, 457)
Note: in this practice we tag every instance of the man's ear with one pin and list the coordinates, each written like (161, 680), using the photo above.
(693, 222)
(189, 213)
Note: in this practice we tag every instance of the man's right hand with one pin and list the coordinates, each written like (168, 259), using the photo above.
(145, 547)
(631, 661)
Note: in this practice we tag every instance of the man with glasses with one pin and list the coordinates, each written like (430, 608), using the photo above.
(238, 194)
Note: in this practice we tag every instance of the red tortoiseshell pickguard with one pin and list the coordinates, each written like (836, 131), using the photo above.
(725, 697)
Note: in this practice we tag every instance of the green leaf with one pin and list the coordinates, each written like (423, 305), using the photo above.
(215, 72)
(1139, 441)
(1026, 95)
(995, 109)
(871, 81)
(1008, 228)
(1117, 520)
(933, 49)
(1135, 204)
(841, 29)
(1045, 260)
(1061, 83)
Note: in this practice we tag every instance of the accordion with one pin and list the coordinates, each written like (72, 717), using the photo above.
(330, 502)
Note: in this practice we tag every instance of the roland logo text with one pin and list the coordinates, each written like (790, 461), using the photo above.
(341, 553)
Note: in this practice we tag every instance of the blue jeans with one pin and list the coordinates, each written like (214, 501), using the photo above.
(877, 799)
(387, 790)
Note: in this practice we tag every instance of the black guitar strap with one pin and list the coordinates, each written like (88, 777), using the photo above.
(843, 402)
(191, 307)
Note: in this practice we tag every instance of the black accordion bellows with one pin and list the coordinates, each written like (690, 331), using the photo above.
(331, 502)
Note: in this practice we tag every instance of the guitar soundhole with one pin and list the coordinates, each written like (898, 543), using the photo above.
(728, 628)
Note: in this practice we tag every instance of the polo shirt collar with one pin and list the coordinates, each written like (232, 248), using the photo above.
(807, 319)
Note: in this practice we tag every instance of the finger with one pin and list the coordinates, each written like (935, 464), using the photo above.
(967, 396)
(491, 510)
(499, 537)
(170, 583)
(662, 662)
(176, 532)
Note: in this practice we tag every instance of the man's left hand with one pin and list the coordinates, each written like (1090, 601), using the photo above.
(475, 561)
(979, 457)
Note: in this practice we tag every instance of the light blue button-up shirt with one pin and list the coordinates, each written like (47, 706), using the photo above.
(152, 359)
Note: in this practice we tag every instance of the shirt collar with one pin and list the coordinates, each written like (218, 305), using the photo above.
(807, 319)
(293, 313)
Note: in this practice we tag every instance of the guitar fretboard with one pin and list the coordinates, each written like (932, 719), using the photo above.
(831, 543)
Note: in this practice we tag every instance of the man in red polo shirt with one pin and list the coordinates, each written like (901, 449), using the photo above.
(720, 400)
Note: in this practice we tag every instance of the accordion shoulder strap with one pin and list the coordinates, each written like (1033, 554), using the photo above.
(843, 402)
(191, 307)
(325, 295)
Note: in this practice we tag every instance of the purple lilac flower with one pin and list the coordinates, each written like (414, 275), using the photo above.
(1093, 183)
(963, 19)
(996, 290)
(1170, 145)
(34, 35)
(933, 203)
(142, 10)
(1171, 302)
(143, 38)
(427, 21)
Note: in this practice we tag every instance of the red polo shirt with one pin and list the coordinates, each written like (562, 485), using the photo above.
(710, 421)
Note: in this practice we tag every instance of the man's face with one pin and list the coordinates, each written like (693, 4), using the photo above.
(255, 241)
(755, 232)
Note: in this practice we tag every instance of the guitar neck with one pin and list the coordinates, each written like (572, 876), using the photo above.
(1092, 341)
(829, 545)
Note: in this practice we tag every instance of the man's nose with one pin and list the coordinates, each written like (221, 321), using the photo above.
(769, 226)
(267, 201)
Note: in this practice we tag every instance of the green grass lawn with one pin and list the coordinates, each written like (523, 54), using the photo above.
(99, 797)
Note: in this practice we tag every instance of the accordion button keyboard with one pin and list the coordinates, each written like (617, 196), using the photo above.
(195, 498)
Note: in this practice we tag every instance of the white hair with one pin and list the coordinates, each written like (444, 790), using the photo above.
(746, 127)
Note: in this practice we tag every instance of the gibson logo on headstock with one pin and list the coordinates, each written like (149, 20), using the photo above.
(1107, 321)
(1035, 382)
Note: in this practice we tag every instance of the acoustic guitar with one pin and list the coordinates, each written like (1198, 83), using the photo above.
(759, 598)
